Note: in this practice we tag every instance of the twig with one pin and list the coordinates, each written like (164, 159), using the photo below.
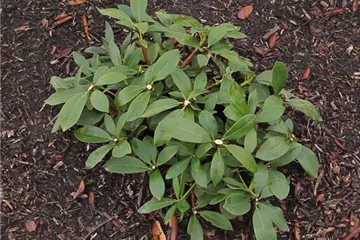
(353, 234)
(146, 56)
(188, 59)
(86, 26)
(97, 227)
(271, 32)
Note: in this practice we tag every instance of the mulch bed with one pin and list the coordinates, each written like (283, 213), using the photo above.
(40, 170)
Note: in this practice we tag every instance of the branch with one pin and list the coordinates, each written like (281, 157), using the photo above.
(188, 59)
(146, 56)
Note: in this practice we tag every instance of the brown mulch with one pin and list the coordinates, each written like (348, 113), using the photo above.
(40, 170)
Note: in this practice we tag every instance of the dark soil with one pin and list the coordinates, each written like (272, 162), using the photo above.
(40, 170)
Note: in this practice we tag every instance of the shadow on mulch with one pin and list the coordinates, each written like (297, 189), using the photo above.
(39, 170)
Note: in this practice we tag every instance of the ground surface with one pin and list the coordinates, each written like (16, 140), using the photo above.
(39, 170)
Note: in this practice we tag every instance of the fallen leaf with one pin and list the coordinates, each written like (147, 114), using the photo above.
(65, 52)
(272, 40)
(158, 233)
(45, 23)
(22, 28)
(30, 225)
(355, 5)
(262, 50)
(75, 2)
(91, 199)
(80, 189)
(306, 73)
(173, 224)
(245, 12)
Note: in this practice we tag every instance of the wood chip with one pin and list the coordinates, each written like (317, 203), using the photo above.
(272, 40)
(75, 2)
(30, 225)
(173, 224)
(157, 232)
(80, 189)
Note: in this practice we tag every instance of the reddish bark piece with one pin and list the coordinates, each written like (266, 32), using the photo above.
(91, 199)
(158, 233)
(86, 25)
(75, 2)
(30, 225)
(272, 40)
(173, 223)
(80, 189)
(355, 5)
(306, 73)
(245, 12)
(65, 52)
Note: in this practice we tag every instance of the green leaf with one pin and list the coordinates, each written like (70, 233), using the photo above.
(216, 219)
(280, 128)
(166, 154)
(121, 149)
(120, 123)
(252, 101)
(110, 78)
(92, 134)
(126, 164)
(309, 161)
(194, 229)
(99, 101)
(243, 156)
(99, 73)
(261, 177)
(140, 150)
(203, 149)
(240, 128)
(184, 38)
(217, 168)
(114, 53)
(160, 106)
(202, 60)
(272, 109)
(237, 99)
(263, 91)
(275, 214)
(165, 65)
(211, 102)
(182, 81)
(164, 17)
(263, 226)
(208, 122)
(178, 168)
(291, 155)
(200, 81)
(96, 156)
(278, 184)
(216, 34)
(169, 214)
(153, 52)
(250, 141)
(109, 34)
(143, 27)
(89, 117)
(279, 76)
(127, 94)
(306, 107)
(183, 206)
(155, 204)
(198, 173)
(109, 124)
(138, 9)
(62, 96)
(138, 106)
(156, 183)
(71, 110)
(188, 21)
(176, 186)
(273, 148)
(82, 62)
(265, 77)
(118, 14)
(290, 125)
(184, 130)
(237, 204)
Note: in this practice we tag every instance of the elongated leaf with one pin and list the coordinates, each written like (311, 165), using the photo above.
(127, 94)
(114, 53)
(273, 148)
(156, 183)
(217, 168)
(109, 34)
(306, 107)
(194, 229)
(198, 173)
(184, 130)
(99, 101)
(121, 149)
(82, 62)
(71, 110)
(278, 184)
(118, 14)
(169, 214)
(243, 156)
(202, 60)
(203, 149)
(138, 106)
(120, 123)
(153, 52)
(253, 101)
(182, 81)
(155, 204)
(240, 128)
(96, 156)
(291, 155)
(138, 9)
(200, 81)
(275, 214)
(178, 168)
(62, 96)
(265, 77)
(208, 122)
(263, 226)
(279, 76)
(309, 161)
(237, 204)
(272, 110)
(216, 219)
(216, 34)
(166, 154)
(110, 78)
(261, 177)
(140, 149)
(92, 134)
(160, 106)
(183, 38)
(126, 164)
(250, 141)
(165, 65)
